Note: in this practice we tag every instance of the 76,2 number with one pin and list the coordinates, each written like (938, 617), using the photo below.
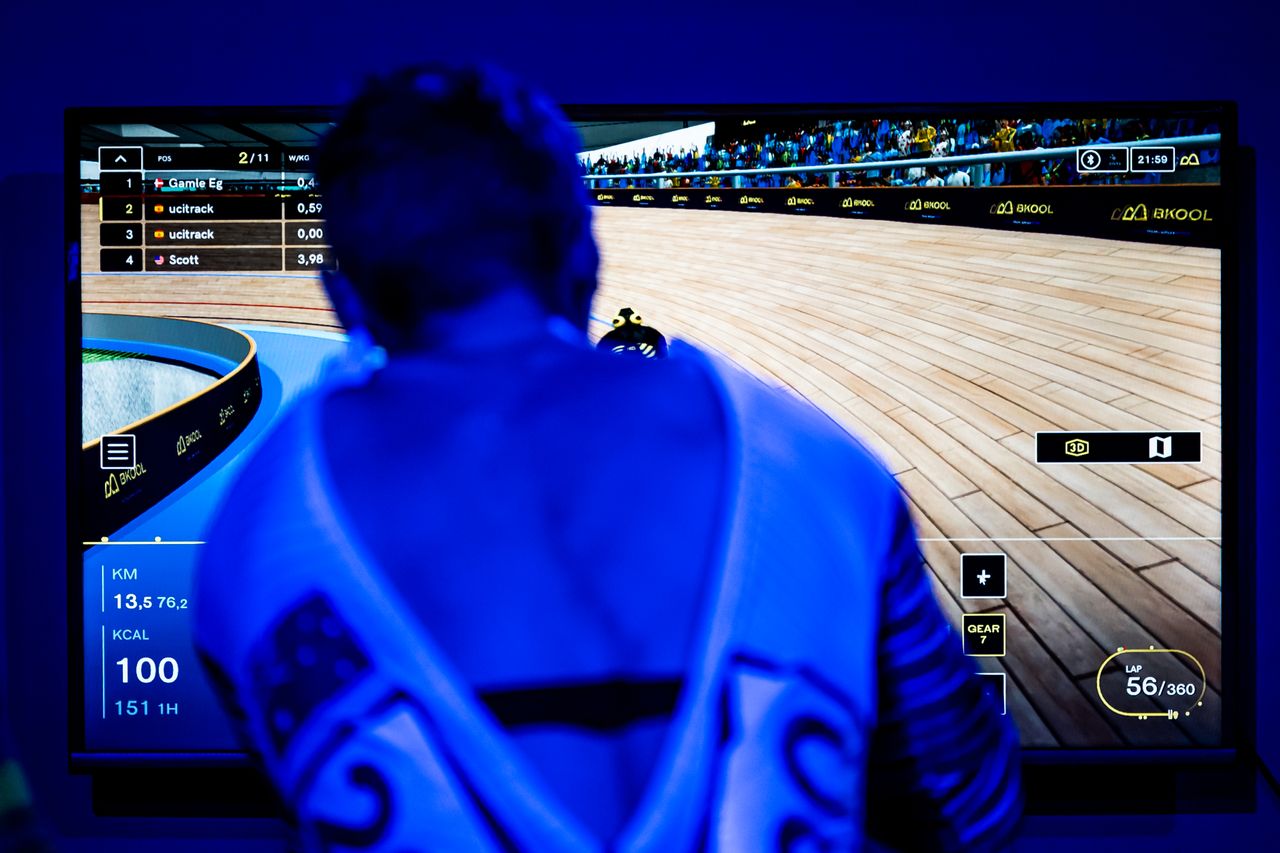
(147, 670)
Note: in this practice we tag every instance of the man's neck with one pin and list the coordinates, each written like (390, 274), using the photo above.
(507, 319)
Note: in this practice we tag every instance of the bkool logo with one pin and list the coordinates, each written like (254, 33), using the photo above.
(1192, 159)
(1008, 208)
(1133, 213)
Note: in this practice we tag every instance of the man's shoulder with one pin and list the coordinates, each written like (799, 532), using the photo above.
(269, 483)
(277, 451)
(275, 514)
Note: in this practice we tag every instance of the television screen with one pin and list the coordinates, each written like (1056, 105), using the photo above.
(1018, 308)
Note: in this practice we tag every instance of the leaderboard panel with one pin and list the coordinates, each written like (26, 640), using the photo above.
(200, 210)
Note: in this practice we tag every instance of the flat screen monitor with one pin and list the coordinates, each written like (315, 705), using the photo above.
(1018, 308)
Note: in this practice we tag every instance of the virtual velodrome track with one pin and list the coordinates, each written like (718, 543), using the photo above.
(289, 361)
(945, 348)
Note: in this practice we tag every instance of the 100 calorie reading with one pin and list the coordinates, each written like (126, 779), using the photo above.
(147, 670)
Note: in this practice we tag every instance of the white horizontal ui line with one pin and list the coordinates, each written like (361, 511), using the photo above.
(147, 542)
(1075, 539)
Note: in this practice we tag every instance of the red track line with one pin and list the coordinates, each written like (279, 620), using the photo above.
(184, 302)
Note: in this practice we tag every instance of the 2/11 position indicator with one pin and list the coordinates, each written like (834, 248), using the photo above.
(1151, 683)
(215, 158)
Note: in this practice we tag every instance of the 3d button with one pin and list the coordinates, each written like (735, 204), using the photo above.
(1117, 447)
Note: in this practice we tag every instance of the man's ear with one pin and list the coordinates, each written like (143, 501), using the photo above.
(580, 276)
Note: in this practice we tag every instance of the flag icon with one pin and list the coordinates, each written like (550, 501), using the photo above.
(159, 259)
(159, 208)
(159, 183)
(158, 234)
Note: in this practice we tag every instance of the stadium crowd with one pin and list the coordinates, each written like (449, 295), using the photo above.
(884, 141)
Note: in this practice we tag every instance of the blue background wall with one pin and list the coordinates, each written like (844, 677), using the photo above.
(55, 55)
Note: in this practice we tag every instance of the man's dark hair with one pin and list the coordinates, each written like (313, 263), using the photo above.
(444, 185)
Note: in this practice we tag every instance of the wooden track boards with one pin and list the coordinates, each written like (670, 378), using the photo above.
(944, 348)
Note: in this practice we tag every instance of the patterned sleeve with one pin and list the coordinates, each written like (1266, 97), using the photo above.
(944, 770)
